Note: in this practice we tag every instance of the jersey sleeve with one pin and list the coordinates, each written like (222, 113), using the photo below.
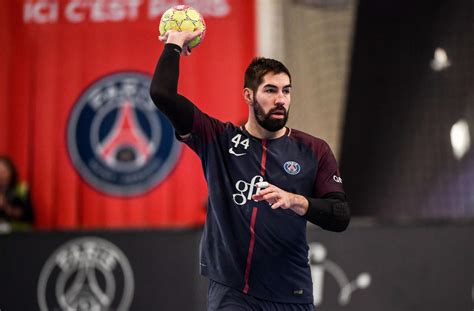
(204, 131)
(328, 178)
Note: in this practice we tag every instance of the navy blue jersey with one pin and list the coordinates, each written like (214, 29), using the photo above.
(246, 244)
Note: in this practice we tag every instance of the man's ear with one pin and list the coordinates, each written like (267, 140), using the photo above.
(248, 95)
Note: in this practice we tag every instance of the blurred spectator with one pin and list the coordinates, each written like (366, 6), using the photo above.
(16, 212)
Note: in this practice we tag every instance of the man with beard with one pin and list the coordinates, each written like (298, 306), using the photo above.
(265, 182)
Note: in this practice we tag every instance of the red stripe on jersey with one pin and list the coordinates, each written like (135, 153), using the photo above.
(252, 223)
(251, 247)
(264, 157)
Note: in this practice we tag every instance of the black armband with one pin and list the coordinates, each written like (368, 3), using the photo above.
(172, 47)
(330, 212)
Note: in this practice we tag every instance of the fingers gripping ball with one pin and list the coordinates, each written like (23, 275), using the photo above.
(183, 18)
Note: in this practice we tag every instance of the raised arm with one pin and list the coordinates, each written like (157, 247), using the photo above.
(164, 85)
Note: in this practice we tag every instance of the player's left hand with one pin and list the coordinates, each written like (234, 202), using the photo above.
(279, 198)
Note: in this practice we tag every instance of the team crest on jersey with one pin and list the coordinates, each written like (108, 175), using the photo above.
(117, 140)
(292, 167)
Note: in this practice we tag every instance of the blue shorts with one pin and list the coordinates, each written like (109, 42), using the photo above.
(221, 297)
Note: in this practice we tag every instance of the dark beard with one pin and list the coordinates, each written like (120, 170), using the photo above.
(266, 121)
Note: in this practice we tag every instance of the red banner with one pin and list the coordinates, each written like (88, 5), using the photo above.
(75, 116)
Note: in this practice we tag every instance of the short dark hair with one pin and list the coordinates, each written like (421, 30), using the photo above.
(259, 67)
(11, 167)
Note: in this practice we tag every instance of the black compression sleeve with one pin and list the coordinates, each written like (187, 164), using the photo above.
(331, 212)
(164, 91)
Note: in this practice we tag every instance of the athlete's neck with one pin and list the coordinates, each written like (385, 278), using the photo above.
(257, 131)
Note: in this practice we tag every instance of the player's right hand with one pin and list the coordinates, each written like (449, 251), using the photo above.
(180, 38)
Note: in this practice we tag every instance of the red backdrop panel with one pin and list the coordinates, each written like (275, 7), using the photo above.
(53, 50)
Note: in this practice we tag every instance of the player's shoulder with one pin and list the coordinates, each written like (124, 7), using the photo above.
(318, 146)
(308, 139)
(203, 119)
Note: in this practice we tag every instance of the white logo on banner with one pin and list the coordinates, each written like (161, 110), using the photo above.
(86, 274)
(101, 11)
(320, 265)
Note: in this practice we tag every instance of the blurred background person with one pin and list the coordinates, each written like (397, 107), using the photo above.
(16, 212)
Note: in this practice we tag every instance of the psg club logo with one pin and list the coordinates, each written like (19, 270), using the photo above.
(292, 167)
(117, 140)
(87, 273)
